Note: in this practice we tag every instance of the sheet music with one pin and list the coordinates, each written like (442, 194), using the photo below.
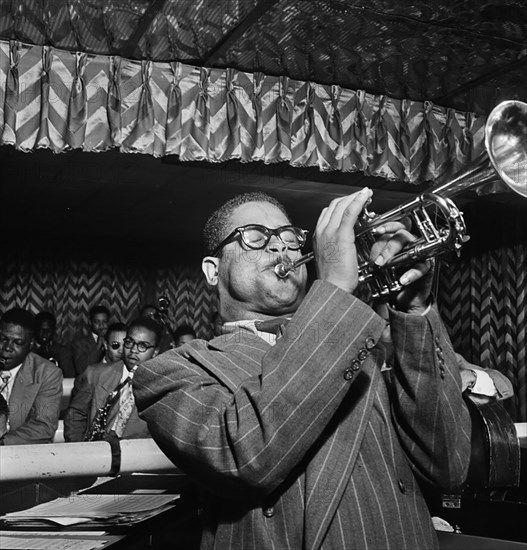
(24, 542)
(95, 506)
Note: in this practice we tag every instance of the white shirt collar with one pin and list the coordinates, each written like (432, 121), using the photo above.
(13, 372)
(249, 325)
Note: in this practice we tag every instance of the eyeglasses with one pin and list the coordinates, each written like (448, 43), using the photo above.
(115, 345)
(129, 343)
(256, 237)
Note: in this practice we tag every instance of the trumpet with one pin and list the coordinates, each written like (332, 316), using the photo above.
(438, 221)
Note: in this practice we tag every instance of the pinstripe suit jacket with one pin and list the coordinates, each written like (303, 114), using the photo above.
(302, 444)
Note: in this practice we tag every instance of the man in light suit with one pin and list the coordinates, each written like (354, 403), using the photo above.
(31, 385)
(97, 382)
(297, 440)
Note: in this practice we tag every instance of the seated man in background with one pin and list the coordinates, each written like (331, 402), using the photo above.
(30, 384)
(88, 349)
(150, 310)
(47, 346)
(114, 342)
(102, 403)
(114, 351)
(183, 334)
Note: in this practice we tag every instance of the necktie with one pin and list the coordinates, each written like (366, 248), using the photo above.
(126, 405)
(4, 386)
(272, 326)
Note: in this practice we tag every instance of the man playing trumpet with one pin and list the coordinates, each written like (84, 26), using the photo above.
(293, 433)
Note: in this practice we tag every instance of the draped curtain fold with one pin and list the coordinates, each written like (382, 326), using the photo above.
(69, 100)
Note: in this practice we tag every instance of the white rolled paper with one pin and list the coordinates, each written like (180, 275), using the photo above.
(143, 455)
(54, 460)
(94, 458)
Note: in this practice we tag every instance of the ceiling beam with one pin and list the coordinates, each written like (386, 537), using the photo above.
(148, 16)
(221, 48)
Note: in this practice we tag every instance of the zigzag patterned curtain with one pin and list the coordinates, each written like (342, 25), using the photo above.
(69, 288)
(483, 302)
(64, 100)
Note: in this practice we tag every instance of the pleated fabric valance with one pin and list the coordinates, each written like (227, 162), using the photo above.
(64, 100)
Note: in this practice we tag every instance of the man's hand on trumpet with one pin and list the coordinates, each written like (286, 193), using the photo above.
(417, 280)
(334, 240)
(336, 253)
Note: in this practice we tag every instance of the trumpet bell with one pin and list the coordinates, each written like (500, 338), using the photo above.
(506, 143)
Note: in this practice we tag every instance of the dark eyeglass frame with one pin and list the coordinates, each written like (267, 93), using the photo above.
(129, 343)
(239, 232)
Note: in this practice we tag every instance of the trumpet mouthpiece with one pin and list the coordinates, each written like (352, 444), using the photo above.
(283, 269)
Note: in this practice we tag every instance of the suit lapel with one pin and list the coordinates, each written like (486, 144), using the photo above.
(106, 383)
(23, 394)
(243, 351)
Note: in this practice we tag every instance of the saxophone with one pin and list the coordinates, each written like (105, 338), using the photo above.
(97, 429)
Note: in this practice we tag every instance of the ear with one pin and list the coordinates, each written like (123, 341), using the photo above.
(209, 266)
(156, 352)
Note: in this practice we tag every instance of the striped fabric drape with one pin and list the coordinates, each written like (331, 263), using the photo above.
(64, 100)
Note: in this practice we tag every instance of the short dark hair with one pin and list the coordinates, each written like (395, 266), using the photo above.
(21, 317)
(182, 330)
(96, 310)
(149, 324)
(45, 316)
(116, 327)
(216, 226)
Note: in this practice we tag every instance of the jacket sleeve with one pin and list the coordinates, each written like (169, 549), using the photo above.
(429, 413)
(42, 421)
(250, 434)
(76, 419)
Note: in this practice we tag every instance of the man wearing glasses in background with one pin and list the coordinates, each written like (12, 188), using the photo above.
(294, 434)
(102, 403)
(114, 342)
